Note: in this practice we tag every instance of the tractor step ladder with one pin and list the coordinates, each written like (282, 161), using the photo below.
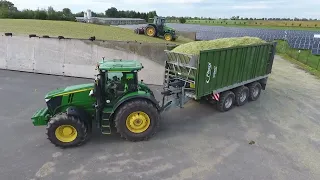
(105, 123)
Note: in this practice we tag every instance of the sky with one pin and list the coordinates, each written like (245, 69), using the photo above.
(205, 8)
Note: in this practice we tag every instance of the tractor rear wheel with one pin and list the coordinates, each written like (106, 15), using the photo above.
(150, 31)
(168, 37)
(66, 131)
(137, 120)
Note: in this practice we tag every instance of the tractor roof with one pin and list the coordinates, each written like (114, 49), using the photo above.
(120, 65)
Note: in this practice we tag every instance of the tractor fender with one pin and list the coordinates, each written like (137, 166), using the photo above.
(150, 99)
(80, 113)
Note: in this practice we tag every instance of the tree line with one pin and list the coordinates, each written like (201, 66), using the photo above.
(8, 10)
(239, 18)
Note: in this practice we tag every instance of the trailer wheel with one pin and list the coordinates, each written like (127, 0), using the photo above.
(137, 120)
(226, 101)
(242, 95)
(254, 91)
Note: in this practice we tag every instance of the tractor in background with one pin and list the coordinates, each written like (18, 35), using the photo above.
(158, 29)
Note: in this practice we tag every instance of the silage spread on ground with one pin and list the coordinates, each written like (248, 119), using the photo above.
(195, 47)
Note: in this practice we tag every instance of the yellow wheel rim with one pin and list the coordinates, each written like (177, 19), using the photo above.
(66, 133)
(138, 122)
(168, 37)
(150, 31)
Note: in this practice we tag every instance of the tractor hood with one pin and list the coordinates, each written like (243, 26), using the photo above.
(169, 28)
(69, 90)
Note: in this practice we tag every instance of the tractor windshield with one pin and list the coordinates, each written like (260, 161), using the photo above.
(115, 76)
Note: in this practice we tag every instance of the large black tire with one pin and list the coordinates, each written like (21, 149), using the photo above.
(63, 119)
(254, 91)
(226, 101)
(242, 95)
(151, 31)
(132, 107)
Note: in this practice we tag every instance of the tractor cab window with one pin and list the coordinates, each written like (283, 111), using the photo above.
(163, 21)
(118, 83)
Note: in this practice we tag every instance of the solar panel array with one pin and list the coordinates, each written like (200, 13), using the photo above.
(296, 39)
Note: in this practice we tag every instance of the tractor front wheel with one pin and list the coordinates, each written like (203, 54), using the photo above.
(168, 37)
(137, 120)
(150, 31)
(66, 131)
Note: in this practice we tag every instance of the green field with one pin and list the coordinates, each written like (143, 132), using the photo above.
(76, 30)
(303, 58)
(293, 25)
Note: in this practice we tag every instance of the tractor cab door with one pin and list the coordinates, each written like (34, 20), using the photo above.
(160, 25)
(120, 83)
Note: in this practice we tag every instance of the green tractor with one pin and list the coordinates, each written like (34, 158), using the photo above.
(158, 29)
(116, 99)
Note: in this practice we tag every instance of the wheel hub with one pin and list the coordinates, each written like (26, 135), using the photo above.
(150, 32)
(138, 122)
(243, 96)
(228, 102)
(66, 133)
(255, 91)
(167, 37)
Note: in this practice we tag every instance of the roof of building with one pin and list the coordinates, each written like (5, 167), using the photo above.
(114, 19)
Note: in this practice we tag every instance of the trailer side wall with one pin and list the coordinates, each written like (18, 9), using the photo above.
(221, 68)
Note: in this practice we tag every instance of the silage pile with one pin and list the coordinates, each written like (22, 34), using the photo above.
(195, 47)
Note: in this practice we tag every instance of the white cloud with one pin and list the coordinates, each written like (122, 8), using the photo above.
(254, 6)
(206, 8)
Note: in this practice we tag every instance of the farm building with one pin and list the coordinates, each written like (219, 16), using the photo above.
(108, 21)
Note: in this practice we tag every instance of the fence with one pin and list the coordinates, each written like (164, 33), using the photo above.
(303, 56)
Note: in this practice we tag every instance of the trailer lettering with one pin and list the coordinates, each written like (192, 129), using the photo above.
(209, 73)
(214, 71)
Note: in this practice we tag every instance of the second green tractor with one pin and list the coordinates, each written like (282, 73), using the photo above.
(158, 29)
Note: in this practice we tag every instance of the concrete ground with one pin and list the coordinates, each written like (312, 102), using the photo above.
(193, 143)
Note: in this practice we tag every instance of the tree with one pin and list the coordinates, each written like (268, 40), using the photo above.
(112, 12)
(182, 20)
(7, 9)
(66, 11)
(40, 14)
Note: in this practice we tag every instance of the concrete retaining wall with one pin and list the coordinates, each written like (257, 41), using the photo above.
(77, 58)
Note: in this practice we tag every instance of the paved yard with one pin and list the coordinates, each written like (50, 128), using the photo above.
(193, 143)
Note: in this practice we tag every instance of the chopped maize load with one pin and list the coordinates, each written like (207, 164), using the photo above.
(195, 47)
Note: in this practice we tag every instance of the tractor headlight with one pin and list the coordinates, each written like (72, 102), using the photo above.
(91, 93)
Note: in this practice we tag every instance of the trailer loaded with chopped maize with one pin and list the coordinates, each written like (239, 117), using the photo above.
(117, 100)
